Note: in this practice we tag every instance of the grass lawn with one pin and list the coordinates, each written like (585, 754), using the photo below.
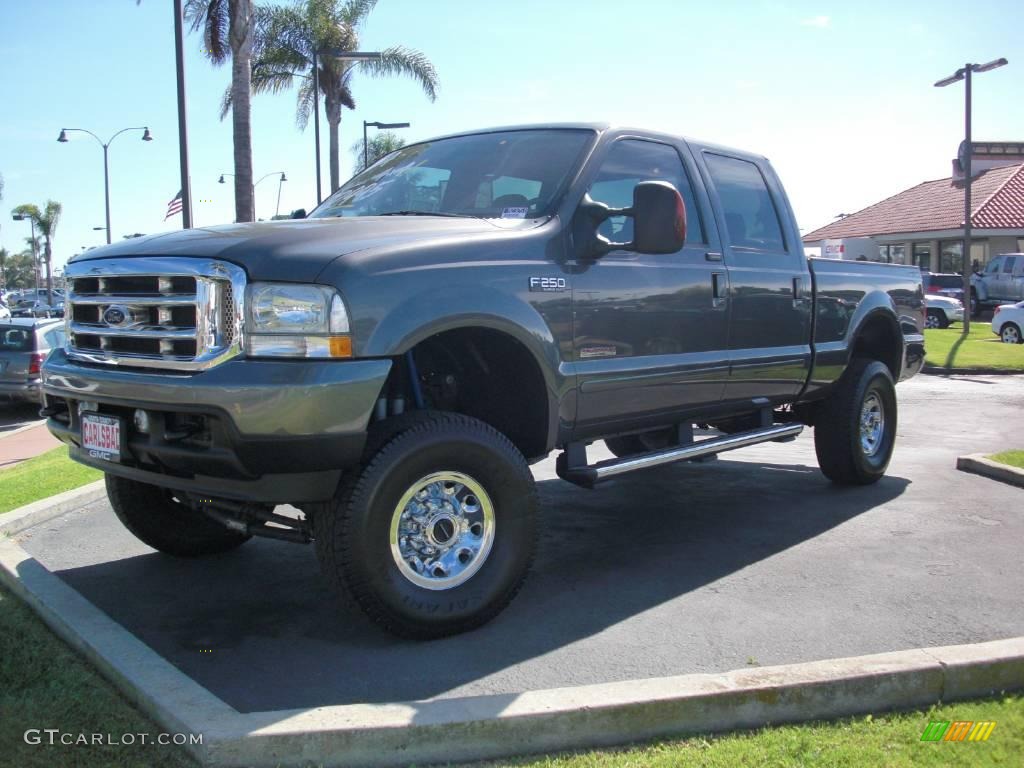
(35, 479)
(46, 685)
(982, 349)
(1013, 458)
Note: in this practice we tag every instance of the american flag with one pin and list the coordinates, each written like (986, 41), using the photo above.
(174, 206)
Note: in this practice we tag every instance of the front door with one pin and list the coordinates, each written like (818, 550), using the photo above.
(770, 295)
(650, 337)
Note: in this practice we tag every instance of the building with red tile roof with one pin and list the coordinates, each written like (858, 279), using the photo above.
(923, 225)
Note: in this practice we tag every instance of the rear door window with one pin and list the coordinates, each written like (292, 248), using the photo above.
(1008, 265)
(15, 339)
(751, 217)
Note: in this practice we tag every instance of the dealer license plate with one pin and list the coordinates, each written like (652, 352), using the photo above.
(101, 436)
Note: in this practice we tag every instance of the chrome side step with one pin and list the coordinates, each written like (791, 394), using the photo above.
(580, 473)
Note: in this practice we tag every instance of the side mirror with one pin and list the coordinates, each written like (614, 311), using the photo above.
(299, 213)
(659, 218)
(659, 222)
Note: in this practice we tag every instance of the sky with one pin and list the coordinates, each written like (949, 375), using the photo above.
(838, 96)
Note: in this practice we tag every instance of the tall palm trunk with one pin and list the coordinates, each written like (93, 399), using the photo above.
(332, 106)
(241, 37)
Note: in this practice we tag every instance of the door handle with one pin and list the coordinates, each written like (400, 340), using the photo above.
(799, 300)
(719, 289)
(712, 256)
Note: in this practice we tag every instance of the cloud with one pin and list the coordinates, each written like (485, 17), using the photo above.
(816, 21)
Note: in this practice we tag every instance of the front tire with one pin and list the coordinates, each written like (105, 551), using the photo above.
(936, 319)
(855, 432)
(157, 520)
(435, 535)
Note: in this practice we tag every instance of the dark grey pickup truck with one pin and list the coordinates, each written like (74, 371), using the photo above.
(391, 365)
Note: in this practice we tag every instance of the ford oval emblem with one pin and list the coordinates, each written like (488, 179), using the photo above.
(115, 315)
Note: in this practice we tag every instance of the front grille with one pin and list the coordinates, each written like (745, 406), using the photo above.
(154, 312)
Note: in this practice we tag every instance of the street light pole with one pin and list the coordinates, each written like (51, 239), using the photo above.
(344, 56)
(379, 126)
(965, 75)
(35, 250)
(179, 64)
(63, 139)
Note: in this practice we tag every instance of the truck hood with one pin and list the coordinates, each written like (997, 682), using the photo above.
(299, 250)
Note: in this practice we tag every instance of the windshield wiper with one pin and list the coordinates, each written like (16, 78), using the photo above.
(431, 213)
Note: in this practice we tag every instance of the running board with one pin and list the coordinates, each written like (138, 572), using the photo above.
(590, 475)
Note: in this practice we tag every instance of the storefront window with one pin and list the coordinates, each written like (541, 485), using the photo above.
(922, 256)
(951, 256)
(979, 255)
(1020, 245)
(892, 254)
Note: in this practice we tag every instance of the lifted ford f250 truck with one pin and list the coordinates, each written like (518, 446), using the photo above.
(391, 364)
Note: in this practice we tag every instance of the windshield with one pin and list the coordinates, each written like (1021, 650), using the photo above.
(506, 175)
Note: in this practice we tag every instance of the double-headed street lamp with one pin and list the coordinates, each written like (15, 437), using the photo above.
(281, 181)
(379, 126)
(964, 74)
(146, 136)
(335, 53)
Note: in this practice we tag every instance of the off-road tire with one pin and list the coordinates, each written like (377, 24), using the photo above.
(353, 532)
(837, 435)
(158, 521)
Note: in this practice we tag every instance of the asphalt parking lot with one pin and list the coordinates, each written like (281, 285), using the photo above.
(17, 415)
(751, 559)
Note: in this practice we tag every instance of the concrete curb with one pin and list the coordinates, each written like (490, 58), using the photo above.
(979, 464)
(936, 370)
(495, 726)
(17, 520)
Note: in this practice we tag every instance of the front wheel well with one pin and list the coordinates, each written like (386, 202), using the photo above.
(479, 372)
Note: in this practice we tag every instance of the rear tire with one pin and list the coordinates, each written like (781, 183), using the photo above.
(436, 533)
(1009, 333)
(855, 432)
(164, 524)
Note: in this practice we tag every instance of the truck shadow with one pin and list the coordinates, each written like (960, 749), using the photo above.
(258, 628)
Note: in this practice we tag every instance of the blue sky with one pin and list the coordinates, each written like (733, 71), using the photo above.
(838, 95)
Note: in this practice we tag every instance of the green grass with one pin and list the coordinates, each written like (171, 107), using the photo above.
(42, 476)
(982, 349)
(1013, 458)
(890, 741)
(46, 685)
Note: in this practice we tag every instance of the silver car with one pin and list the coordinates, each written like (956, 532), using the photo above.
(24, 344)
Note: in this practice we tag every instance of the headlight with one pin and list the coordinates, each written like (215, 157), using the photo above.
(295, 320)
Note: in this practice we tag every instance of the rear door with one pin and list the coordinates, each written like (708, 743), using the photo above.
(17, 343)
(770, 291)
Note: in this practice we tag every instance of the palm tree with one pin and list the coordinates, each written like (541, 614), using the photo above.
(286, 40)
(46, 224)
(377, 146)
(228, 31)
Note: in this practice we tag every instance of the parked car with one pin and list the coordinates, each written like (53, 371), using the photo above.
(1008, 322)
(24, 344)
(951, 285)
(392, 364)
(940, 311)
(1001, 281)
(32, 308)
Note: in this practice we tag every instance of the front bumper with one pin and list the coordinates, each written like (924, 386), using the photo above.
(253, 430)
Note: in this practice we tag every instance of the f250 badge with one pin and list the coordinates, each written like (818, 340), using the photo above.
(548, 284)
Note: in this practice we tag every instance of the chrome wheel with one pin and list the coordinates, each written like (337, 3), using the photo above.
(872, 424)
(1010, 334)
(931, 320)
(442, 530)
